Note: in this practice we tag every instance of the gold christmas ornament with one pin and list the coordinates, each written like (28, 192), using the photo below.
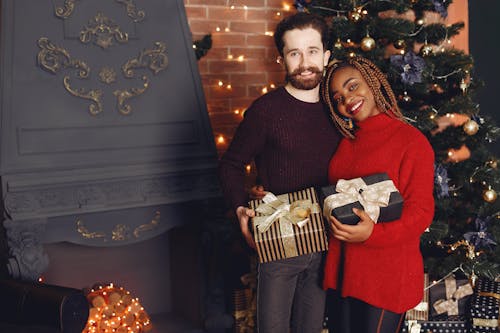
(355, 16)
(338, 44)
(493, 163)
(489, 195)
(367, 43)
(471, 127)
(426, 50)
(400, 44)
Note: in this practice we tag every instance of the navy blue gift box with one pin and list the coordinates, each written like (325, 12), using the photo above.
(435, 327)
(485, 306)
(344, 213)
(454, 294)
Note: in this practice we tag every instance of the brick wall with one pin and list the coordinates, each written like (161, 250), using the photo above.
(242, 61)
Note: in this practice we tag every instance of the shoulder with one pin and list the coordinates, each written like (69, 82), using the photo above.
(411, 135)
(263, 105)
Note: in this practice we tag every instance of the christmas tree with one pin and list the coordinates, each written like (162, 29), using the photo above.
(435, 83)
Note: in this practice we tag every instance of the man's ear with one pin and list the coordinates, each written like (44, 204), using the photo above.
(326, 56)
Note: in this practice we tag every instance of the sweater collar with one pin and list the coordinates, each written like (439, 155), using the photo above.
(374, 123)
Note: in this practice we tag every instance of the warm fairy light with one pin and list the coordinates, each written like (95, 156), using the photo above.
(264, 90)
(232, 7)
(229, 87)
(248, 168)
(272, 85)
(286, 7)
(194, 46)
(245, 7)
(241, 58)
(226, 29)
(278, 13)
(220, 83)
(352, 54)
(40, 279)
(112, 310)
(237, 111)
(229, 56)
(220, 139)
(217, 29)
(269, 33)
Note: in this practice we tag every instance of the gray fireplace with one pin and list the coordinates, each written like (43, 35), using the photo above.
(107, 155)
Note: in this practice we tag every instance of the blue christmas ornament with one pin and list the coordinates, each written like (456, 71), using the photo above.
(481, 238)
(410, 65)
(441, 181)
(440, 8)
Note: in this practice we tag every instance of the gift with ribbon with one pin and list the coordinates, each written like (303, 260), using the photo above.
(485, 306)
(450, 298)
(375, 194)
(288, 225)
(414, 326)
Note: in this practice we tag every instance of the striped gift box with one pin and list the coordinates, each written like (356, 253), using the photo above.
(307, 238)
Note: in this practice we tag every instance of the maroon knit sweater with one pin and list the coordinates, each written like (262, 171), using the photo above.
(290, 140)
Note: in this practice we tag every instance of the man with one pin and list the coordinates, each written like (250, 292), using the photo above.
(290, 136)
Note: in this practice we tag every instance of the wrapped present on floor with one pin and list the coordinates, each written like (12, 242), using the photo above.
(485, 306)
(421, 311)
(414, 326)
(288, 225)
(375, 194)
(450, 299)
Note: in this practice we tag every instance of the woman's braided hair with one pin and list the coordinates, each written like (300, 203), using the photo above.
(382, 92)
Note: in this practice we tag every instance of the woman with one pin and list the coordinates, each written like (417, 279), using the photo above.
(376, 268)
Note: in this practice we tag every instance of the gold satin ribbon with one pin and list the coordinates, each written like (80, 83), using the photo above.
(453, 295)
(278, 209)
(371, 197)
(488, 322)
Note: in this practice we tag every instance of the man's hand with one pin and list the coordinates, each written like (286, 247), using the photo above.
(353, 233)
(244, 215)
(257, 192)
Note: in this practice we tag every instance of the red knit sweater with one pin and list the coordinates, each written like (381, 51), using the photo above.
(386, 270)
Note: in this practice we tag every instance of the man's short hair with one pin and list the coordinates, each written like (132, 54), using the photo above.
(300, 21)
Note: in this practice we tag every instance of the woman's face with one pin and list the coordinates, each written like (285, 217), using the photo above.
(351, 94)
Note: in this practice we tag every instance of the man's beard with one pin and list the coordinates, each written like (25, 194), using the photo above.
(305, 84)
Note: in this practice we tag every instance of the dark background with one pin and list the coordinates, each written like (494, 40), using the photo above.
(484, 44)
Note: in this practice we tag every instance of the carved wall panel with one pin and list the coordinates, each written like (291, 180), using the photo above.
(102, 111)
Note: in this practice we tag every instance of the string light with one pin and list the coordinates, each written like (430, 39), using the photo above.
(248, 168)
(286, 7)
(241, 58)
(221, 140)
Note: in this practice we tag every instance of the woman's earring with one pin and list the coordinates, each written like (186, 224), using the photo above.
(348, 122)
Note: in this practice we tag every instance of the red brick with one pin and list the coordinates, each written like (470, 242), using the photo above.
(225, 13)
(225, 66)
(218, 53)
(254, 3)
(208, 2)
(223, 92)
(198, 12)
(225, 39)
(250, 78)
(266, 15)
(202, 66)
(249, 52)
(213, 79)
(262, 66)
(249, 27)
(260, 40)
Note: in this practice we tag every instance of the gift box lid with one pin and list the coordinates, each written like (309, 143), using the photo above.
(344, 213)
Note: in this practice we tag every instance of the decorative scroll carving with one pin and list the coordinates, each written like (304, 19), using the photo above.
(155, 59)
(94, 95)
(28, 259)
(120, 232)
(82, 230)
(104, 30)
(136, 15)
(124, 95)
(132, 12)
(107, 75)
(53, 59)
(65, 11)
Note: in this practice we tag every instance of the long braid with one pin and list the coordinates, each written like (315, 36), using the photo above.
(377, 82)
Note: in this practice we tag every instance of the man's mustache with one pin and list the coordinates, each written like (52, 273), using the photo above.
(300, 70)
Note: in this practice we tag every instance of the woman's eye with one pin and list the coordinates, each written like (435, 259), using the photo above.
(353, 86)
(338, 100)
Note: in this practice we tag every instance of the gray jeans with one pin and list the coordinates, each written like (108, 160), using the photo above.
(292, 284)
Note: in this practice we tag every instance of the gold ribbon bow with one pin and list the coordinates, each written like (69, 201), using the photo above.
(488, 322)
(371, 197)
(278, 209)
(453, 295)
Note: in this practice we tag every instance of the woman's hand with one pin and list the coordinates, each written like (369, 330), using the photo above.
(353, 233)
(257, 192)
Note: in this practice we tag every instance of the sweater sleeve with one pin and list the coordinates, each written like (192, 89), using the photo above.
(248, 141)
(416, 184)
